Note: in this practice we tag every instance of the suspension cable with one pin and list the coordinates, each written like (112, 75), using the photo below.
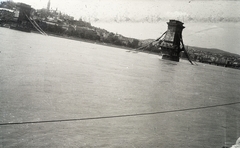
(117, 116)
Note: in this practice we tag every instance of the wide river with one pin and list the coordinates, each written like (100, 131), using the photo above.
(146, 102)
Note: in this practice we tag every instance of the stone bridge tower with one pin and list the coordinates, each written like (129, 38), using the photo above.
(170, 45)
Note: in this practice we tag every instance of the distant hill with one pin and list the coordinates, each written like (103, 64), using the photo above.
(213, 51)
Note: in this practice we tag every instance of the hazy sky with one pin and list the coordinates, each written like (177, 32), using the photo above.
(106, 10)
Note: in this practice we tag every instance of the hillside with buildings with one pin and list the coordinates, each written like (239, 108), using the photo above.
(57, 23)
(54, 22)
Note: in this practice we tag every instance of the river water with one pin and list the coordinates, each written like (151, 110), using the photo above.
(45, 78)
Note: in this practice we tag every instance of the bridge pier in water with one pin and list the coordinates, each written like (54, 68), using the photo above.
(170, 45)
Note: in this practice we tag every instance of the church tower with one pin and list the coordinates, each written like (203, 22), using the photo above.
(48, 5)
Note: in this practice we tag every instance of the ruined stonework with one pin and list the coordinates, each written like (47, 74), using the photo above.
(170, 45)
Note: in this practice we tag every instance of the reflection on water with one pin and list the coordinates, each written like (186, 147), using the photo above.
(49, 78)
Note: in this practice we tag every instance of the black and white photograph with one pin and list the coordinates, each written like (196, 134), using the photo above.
(120, 73)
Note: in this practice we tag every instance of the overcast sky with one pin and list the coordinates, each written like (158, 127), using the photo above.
(106, 10)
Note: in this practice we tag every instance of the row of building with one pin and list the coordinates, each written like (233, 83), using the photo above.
(219, 59)
(19, 15)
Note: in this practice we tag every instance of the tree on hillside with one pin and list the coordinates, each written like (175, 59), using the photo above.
(8, 5)
(43, 13)
(133, 44)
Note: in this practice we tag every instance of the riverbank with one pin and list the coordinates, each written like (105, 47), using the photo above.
(203, 55)
(90, 41)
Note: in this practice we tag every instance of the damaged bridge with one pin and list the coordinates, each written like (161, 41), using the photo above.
(170, 43)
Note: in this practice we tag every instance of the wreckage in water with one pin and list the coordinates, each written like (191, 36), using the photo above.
(170, 43)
